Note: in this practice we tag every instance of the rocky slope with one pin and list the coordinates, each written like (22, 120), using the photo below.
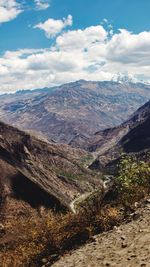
(131, 137)
(126, 245)
(42, 173)
(73, 112)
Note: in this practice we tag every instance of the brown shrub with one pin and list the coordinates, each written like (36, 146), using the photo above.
(48, 237)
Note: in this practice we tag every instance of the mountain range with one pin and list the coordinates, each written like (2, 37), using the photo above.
(35, 170)
(73, 111)
(41, 177)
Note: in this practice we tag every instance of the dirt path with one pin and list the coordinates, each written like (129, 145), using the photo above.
(78, 200)
(125, 246)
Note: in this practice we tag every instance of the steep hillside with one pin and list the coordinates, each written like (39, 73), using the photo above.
(126, 245)
(131, 137)
(37, 175)
(73, 111)
(54, 172)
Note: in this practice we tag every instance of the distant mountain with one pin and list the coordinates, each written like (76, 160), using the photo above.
(73, 111)
(122, 78)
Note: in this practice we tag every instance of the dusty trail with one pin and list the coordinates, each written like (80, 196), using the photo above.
(125, 246)
(78, 200)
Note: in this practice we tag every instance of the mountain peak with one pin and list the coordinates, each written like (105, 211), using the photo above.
(124, 78)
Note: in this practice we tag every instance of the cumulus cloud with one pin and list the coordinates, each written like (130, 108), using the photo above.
(129, 48)
(42, 4)
(9, 10)
(81, 39)
(89, 53)
(52, 27)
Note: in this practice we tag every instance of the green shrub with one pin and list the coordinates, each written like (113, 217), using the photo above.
(132, 179)
(133, 172)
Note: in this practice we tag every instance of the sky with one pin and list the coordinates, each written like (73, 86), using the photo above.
(44, 43)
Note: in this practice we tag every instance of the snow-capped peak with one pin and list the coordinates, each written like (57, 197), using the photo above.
(124, 78)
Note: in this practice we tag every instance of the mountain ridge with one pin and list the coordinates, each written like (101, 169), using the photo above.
(75, 109)
(57, 169)
(131, 137)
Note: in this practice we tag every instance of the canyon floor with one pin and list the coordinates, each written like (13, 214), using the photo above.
(127, 245)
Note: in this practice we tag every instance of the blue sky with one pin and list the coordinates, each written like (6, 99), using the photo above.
(49, 28)
(133, 15)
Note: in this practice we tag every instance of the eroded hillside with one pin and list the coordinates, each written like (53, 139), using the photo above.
(130, 138)
(58, 170)
(73, 111)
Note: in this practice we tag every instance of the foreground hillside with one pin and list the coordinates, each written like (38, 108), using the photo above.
(40, 183)
(125, 245)
(59, 171)
(75, 110)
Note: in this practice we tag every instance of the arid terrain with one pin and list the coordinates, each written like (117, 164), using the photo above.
(74, 133)
(131, 137)
(56, 197)
(74, 111)
(127, 245)
(59, 170)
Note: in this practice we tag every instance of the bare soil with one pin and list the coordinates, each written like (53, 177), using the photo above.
(127, 245)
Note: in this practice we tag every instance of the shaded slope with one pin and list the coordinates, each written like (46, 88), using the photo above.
(133, 137)
(57, 169)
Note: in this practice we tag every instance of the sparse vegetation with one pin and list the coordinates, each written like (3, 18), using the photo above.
(71, 175)
(54, 233)
(85, 161)
(133, 179)
(133, 172)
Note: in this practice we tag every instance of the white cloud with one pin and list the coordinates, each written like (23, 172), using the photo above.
(129, 48)
(42, 4)
(90, 53)
(52, 27)
(105, 20)
(81, 39)
(9, 10)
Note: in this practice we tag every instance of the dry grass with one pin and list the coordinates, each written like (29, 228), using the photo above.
(52, 234)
